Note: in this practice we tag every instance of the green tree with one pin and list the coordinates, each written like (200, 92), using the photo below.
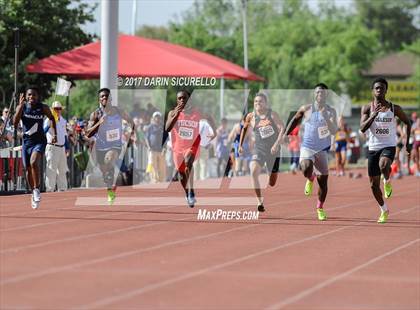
(414, 48)
(395, 21)
(289, 44)
(46, 27)
(83, 98)
(154, 32)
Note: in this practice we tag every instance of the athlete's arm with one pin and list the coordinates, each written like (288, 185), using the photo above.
(296, 119)
(280, 126)
(398, 111)
(127, 118)
(19, 111)
(331, 120)
(247, 123)
(93, 124)
(232, 133)
(47, 111)
(367, 118)
(172, 118)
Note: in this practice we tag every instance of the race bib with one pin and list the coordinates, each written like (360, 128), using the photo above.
(323, 132)
(113, 135)
(417, 135)
(186, 133)
(382, 132)
(266, 131)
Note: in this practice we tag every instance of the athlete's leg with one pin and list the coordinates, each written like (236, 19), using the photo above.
(307, 167)
(337, 162)
(374, 170)
(321, 168)
(343, 159)
(255, 172)
(397, 160)
(385, 166)
(375, 182)
(273, 178)
(323, 188)
(108, 167)
(35, 165)
(187, 175)
(273, 167)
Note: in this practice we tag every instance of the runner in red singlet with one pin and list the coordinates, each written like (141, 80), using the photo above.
(184, 125)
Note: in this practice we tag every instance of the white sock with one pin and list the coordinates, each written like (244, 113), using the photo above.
(386, 181)
(384, 207)
(260, 200)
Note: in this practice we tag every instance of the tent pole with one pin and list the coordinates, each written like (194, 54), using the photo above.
(222, 93)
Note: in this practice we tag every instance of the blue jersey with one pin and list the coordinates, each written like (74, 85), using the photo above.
(316, 136)
(109, 134)
(32, 120)
(222, 145)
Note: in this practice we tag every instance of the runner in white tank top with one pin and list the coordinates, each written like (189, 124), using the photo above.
(378, 119)
(383, 131)
(320, 125)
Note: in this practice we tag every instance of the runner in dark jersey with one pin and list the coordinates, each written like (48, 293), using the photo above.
(183, 124)
(106, 124)
(31, 111)
(268, 130)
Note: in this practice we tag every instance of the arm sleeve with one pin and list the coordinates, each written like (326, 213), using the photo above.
(46, 126)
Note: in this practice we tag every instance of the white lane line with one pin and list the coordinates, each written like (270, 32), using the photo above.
(121, 255)
(168, 200)
(70, 220)
(338, 277)
(115, 298)
(124, 254)
(108, 258)
(81, 237)
(109, 215)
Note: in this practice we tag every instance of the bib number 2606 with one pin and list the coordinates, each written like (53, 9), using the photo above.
(382, 131)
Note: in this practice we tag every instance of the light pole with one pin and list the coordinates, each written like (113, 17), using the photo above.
(245, 43)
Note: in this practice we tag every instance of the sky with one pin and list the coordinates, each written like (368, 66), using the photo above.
(159, 12)
(149, 12)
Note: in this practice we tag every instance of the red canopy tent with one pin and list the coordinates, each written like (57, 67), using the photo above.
(139, 56)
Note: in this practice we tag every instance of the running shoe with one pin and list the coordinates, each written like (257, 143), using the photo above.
(261, 208)
(321, 214)
(388, 189)
(35, 204)
(384, 217)
(190, 197)
(111, 196)
(309, 187)
(36, 194)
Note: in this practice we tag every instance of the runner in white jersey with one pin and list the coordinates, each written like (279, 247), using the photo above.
(378, 118)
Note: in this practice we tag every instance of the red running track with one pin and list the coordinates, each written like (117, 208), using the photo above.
(67, 256)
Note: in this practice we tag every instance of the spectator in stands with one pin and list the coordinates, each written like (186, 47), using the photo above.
(155, 137)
